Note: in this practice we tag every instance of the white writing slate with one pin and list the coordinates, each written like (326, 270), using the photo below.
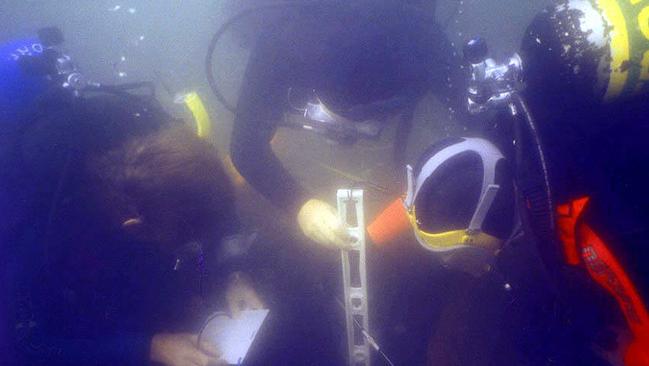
(233, 337)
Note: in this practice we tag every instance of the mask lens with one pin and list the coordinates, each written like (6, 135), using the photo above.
(449, 197)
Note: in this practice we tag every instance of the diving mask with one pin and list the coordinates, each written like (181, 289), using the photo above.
(319, 118)
(473, 236)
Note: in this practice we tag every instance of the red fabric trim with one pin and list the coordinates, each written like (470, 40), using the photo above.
(637, 354)
(580, 242)
(607, 271)
(567, 216)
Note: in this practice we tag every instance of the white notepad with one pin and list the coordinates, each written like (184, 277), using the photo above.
(233, 337)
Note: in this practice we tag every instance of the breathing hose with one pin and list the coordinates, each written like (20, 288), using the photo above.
(531, 124)
(219, 33)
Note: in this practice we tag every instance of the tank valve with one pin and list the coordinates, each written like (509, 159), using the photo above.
(490, 84)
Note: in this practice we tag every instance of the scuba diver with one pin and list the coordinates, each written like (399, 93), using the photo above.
(114, 214)
(464, 208)
(340, 69)
(590, 121)
(574, 95)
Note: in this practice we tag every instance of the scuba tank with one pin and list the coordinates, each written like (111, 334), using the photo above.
(589, 51)
(581, 65)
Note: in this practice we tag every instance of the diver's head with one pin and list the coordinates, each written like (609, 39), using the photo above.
(368, 62)
(460, 202)
(168, 188)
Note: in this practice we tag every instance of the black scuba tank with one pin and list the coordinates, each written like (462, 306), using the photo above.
(585, 52)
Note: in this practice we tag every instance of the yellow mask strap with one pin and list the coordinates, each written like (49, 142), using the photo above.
(453, 239)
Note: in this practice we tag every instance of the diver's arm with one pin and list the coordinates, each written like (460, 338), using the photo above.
(255, 160)
(123, 349)
(260, 109)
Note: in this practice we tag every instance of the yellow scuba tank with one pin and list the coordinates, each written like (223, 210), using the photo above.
(594, 50)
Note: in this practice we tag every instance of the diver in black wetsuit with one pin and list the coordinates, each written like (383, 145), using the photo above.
(353, 65)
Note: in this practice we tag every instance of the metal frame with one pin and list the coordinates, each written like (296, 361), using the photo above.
(355, 295)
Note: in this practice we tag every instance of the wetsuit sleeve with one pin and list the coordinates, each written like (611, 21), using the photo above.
(260, 110)
(125, 349)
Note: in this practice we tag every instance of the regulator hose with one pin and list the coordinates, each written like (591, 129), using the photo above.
(542, 160)
(223, 28)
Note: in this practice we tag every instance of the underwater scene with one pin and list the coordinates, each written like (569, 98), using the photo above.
(324, 182)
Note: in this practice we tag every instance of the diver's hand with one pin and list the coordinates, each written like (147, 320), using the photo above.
(180, 350)
(319, 221)
(241, 295)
